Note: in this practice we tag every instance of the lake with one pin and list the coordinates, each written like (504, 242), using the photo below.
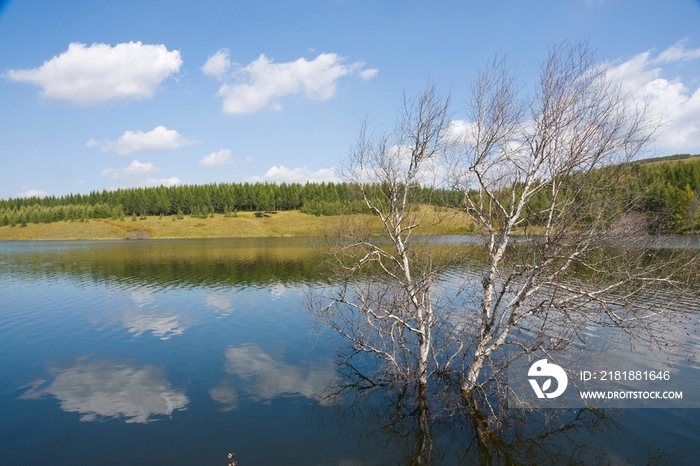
(183, 351)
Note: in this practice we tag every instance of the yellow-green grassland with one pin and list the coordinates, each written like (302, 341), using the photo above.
(244, 225)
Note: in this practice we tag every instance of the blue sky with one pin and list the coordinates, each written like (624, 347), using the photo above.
(101, 95)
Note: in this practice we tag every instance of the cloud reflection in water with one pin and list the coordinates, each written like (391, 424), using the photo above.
(226, 394)
(161, 325)
(265, 378)
(112, 390)
(222, 303)
(278, 290)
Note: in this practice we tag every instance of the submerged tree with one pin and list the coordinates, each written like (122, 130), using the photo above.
(552, 170)
(386, 303)
(549, 168)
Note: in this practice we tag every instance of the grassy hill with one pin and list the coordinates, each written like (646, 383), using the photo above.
(664, 189)
(290, 223)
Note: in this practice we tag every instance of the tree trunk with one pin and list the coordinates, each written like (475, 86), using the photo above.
(472, 378)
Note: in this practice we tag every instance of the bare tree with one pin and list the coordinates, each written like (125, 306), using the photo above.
(550, 170)
(391, 314)
(543, 176)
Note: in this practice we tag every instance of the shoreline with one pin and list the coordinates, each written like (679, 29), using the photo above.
(244, 225)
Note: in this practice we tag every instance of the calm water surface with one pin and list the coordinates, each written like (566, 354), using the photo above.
(179, 352)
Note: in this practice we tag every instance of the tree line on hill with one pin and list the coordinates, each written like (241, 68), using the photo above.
(669, 191)
(201, 201)
(661, 194)
(666, 191)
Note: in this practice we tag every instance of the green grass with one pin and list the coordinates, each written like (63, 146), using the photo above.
(245, 225)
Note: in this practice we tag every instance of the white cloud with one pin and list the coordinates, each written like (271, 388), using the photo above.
(677, 52)
(100, 73)
(33, 193)
(134, 169)
(366, 75)
(159, 138)
(297, 175)
(217, 65)
(155, 182)
(430, 171)
(262, 81)
(671, 98)
(217, 159)
(248, 160)
(460, 131)
(105, 389)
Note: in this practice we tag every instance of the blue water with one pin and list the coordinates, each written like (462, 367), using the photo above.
(180, 352)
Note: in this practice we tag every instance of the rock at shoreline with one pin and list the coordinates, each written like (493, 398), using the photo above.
(141, 234)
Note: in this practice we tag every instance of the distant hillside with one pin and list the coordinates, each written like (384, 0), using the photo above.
(669, 158)
(668, 189)
(202, 201)
(664, 191)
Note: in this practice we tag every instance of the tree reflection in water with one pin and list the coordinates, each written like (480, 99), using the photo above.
(414, 428)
